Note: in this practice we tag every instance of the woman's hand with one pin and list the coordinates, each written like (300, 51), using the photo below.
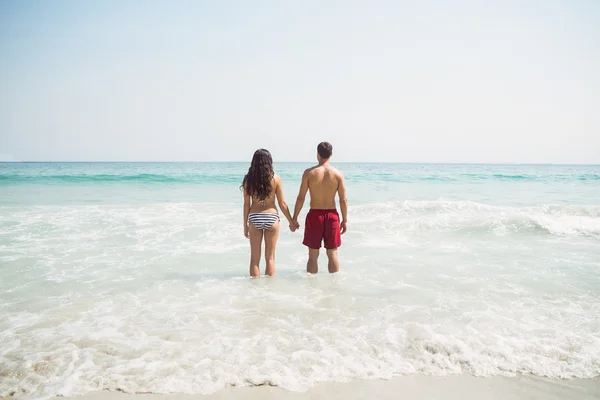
(247, 231)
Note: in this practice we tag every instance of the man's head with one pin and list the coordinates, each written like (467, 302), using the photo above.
(324, 150)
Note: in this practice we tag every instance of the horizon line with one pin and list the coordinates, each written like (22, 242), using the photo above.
(294, 162)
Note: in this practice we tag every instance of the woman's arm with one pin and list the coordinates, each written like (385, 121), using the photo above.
(282, 204)
(246, 213)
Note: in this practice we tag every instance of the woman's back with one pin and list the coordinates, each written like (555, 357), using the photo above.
(267, 203)
(260, 183)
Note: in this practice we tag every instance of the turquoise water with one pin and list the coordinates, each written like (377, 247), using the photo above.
(62, 183)
(133, 276)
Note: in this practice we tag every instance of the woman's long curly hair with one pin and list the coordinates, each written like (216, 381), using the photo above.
(258, 180)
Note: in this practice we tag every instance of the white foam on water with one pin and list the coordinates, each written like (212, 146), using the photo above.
(477, 218)
(155, 298)
(201, 338)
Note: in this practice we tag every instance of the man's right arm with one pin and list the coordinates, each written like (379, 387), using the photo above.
(343, 202)
(301, 195)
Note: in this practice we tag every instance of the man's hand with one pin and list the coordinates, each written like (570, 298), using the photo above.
(343, 227)
(294, 226)
(247, 231)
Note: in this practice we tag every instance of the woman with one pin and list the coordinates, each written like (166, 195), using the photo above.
(261, 219)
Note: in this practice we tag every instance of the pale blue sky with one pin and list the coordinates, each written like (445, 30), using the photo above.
(428, 81)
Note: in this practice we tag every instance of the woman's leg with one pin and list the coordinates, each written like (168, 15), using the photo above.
(271, 236)
(256, 236)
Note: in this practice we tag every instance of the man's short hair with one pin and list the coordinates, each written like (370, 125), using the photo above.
(325, 149)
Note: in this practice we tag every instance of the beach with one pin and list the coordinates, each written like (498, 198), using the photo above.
(456, 281)
(406, 387)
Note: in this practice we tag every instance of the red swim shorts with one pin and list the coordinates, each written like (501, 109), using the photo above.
(322, 225)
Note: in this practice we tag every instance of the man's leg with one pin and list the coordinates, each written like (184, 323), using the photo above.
(334, 263)
(333, 240)
(312, 266)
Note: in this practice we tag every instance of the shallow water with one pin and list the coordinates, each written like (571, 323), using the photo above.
(134, 277)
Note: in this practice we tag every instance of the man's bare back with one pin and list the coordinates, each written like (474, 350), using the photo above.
(323, 184)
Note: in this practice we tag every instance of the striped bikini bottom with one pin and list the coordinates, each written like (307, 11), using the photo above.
(263, 221)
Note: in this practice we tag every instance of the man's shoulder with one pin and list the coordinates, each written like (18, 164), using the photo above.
(311, 170)
(336, 172)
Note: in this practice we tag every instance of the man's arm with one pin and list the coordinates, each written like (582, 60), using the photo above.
(343, 202)
(301, 195)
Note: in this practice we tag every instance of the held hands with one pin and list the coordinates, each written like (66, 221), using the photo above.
(247, 231)
(294, 225)
(343, 227)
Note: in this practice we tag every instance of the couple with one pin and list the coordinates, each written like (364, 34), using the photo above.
(261, 219)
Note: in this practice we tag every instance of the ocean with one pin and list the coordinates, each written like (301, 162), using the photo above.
(134, 277)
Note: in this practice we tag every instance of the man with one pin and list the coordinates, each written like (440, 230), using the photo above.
(322, 221)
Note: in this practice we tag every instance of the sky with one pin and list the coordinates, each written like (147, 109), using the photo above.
(383, 81)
